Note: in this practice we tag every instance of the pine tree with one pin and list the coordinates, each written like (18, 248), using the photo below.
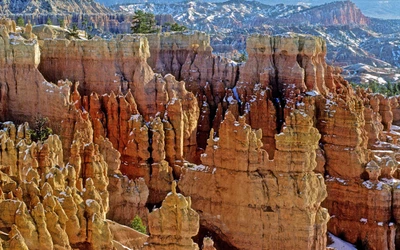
(177, 27)
(20, 22)
(61, 22)
(143, 23)
(40, 131)
(137, 224)
(49, 22)
(74, 31)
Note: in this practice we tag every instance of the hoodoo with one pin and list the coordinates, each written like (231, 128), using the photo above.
(271, 153)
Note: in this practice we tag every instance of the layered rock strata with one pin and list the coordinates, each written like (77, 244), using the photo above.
(19, 61)
(311, 120)
(171, 133)
(118, 117)
(278, 69)
(55, 102)
(122, 63)
(124, 67)
(268, 193)
(173, 224)
(43, 200)
(361, 164)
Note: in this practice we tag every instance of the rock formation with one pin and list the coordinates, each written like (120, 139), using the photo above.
(121, 63)
(127, 133)
(361, 166)
(126, 237)
(208, 244)
(259, 195)
(47, 206)
(173, 224)
(43, 209)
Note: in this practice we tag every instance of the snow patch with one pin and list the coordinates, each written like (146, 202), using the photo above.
(368, 184)
(340, 180)
(340, 244)
(312, 93)
(89, 202)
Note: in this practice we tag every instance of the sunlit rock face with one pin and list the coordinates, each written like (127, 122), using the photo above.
(258, 146)
(173, 224)
(267, 192)
(43, 201)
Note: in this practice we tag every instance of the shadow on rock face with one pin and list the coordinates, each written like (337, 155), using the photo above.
(219, 243)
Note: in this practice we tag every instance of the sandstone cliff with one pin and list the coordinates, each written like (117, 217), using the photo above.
(173, 224)
(20, 78)
(361, 168)
(121, 63)
(44, 203)
(279, 74)
(161, 114)
(267, 193)
(253, 180)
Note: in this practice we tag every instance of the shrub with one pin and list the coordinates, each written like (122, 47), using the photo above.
(387, 89)
(61, 22)
(173, 27)
(242, 58)
(20, 22)
(137, 224)
(40, 131)
(177, 27)
(49, 22)
(74, 31)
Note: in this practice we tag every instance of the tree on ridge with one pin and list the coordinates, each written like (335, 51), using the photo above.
(143, 23)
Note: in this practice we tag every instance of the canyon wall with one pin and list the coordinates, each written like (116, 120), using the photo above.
(250, 143)
(100, 66)
(280, 73)
(250, 199)
(335, 13)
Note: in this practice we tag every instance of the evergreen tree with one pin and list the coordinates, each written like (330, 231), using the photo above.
(49, 22)
(74, 31)
(61, 22)
(85, 22)
(177, 27)
(40, 131)
(20, 22)
(387, 89)
(137, 224)
(143, 23)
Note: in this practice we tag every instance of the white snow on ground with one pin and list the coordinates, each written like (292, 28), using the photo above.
(340, 244)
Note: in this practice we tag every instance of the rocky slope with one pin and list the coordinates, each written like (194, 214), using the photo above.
(246, 15)
(380, 9)
(86, 15)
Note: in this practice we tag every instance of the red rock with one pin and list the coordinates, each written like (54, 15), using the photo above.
(236, 157)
